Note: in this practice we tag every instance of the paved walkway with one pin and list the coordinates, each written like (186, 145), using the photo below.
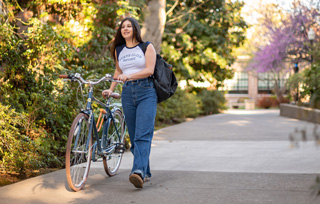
(238, 157)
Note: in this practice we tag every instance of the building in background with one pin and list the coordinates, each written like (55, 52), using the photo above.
(248, 85)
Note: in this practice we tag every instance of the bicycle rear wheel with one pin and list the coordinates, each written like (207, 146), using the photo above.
(78, 152)
(115, 138)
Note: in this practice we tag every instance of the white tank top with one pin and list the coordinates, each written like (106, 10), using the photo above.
(131, 60)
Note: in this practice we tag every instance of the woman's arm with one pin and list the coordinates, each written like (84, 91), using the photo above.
(116, 75)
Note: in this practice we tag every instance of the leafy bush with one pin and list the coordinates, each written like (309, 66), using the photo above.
(184, 104)
(293, 83)
(311, 85)
(308, 81)
(212, 101)
(30, 63)
(267, 102)
(18, 151)
(29, 85)
(180, 106)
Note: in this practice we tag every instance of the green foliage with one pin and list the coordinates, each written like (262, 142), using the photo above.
(199, 38)
(184, 104)
(28, 83)
(19, 152)
(180, 106)
(212, 101)
(311, 85)
(294, 81)
(29, 66)
(308, 83)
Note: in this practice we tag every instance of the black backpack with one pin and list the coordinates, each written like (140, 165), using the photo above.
(165, 81)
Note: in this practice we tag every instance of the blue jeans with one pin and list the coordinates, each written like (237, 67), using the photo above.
(139, 102)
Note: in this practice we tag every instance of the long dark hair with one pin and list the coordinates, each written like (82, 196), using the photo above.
(119, 40)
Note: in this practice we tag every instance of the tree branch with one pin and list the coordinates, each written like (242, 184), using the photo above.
(171, 21)
(171, 9)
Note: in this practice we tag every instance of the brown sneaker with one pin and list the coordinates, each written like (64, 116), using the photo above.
(136, 180)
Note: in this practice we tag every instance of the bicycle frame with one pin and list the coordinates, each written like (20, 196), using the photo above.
(109, 144)
(100, 142)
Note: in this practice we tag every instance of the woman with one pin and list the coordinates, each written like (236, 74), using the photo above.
(139, 98)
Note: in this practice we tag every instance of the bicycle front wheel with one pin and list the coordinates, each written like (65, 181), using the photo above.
(78, 152)
(115, 138)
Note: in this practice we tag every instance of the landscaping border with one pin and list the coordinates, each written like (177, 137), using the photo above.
(300, 113)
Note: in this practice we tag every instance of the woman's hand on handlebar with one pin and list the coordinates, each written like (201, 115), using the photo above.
(124, 77)
(107, 93)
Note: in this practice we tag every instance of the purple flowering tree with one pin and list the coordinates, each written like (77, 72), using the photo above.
(287, 45)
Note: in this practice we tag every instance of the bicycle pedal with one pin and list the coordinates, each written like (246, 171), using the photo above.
(120, 148)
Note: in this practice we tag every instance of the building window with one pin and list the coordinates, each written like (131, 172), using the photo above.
(238, 84)
(266, 82)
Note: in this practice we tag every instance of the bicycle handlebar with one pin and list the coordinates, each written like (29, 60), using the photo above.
(77, 76)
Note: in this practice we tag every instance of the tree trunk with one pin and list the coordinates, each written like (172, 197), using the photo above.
(154, 23)
(279, 91)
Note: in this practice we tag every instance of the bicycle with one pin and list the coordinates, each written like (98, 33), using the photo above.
(80, 148)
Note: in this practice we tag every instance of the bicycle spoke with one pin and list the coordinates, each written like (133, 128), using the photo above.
(115, 135)
(78, 155)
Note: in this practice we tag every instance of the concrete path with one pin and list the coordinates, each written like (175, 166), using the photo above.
(236, 157)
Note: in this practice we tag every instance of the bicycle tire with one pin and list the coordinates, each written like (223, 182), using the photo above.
(111, 161)
(78, 159)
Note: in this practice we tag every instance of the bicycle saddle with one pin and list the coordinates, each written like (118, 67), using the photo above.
(115, 95)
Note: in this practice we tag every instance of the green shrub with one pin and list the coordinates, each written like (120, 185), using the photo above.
(311, 85)
(212, 101)
(184, 104)
(180, 106)
(42, 106)
(18, 151)
(28, 83)
(308, 83)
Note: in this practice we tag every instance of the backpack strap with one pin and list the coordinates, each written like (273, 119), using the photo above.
(119, 48)
(144, 46)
